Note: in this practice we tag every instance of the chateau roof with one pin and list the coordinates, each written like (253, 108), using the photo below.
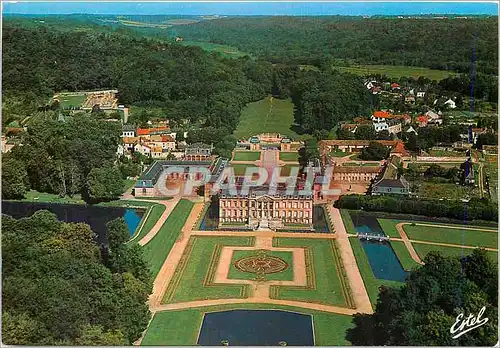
(356, 169)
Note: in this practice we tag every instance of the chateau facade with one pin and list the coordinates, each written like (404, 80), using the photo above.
(260, 209)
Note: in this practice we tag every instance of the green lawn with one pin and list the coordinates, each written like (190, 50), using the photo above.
(181, 327)
(157, 250)
(193, 278)
(346, 218)
(452, 236)
(397, 71)
(35, 196)
(286, 170)
(289, 156)
(246, 155)
(423, 249)
(440, 153)
(224, 50)
(434, 190)
(403, 255)
(128, 183)
(71, 101)
(326, 278)
(286, 256)
(240, 169)
(389, 227)
(267, 115)
(371, 283)
(362, 164)
(339, 154)
(148, 221)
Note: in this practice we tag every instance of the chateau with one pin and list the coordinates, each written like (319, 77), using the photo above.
(260, 209)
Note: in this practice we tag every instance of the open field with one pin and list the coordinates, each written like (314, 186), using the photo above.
(181, 327)
(35, 196)
(224, 50)
(193, 278)
(423, 249)
(452, 236)
(289, 156)
(435, 190)
(266, 115)
(246, 155)
(71, 101)
(156, 251)
(326, 283)
(396, 71)
(441, 153)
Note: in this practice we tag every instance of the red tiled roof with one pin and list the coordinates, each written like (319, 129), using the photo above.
(400, 148)
(422, 118)
(167, 139)
(381, 114)
(143, 131)
(394, 85)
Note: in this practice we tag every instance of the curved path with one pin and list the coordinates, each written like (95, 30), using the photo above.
(406, 241)
(169, 206)
(404, 238)
(452, 245)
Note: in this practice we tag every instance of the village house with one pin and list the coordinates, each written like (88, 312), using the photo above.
(422, 120)
(390, 181)
(128, 131)
(450, 104)
(490, 149)
(380, 116)
(433, 118)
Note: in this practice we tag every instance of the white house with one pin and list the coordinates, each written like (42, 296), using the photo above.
(420, 94)
(142, 149)
(411, 130)
(380, 126)
(128, 131)
(450, 103)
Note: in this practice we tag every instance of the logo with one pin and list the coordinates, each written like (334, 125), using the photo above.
(462, 326)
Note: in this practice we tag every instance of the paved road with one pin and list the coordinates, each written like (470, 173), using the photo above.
(406, 241)
(169, 206)
(356, 283)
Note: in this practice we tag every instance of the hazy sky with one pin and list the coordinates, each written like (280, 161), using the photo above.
(249, 8)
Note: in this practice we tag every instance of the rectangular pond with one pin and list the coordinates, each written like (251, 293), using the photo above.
(256, 328)
(383, 260)
(97, 217)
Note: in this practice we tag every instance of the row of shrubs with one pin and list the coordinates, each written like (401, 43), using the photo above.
(475, 209)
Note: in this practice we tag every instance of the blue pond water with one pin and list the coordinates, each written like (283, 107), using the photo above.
(382, 258)
(383, 261)
(97, 217)
(256, 328)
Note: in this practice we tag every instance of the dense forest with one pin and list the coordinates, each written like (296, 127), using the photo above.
(446, 44)
(423, 310)
(63, 157)
(57, 289)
